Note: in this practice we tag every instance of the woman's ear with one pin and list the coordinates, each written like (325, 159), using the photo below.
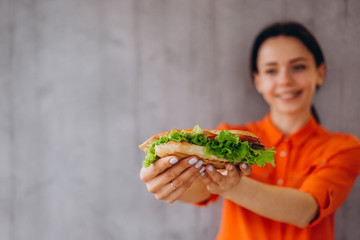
(321, 74)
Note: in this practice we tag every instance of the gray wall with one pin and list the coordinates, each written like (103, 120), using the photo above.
(83, 83)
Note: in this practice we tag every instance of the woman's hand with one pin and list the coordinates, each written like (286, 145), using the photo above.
(168, 178)
(219, 182)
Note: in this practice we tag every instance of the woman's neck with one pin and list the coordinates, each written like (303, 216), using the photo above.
(290, 123)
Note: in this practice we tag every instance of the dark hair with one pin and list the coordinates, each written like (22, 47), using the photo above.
(291, 29)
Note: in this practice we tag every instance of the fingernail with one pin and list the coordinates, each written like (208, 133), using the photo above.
(244, 166)
(199, 164)
(202, 170)
(231, 167)
(192, 161)
(202, 174)
(173, 160)
(211, 169)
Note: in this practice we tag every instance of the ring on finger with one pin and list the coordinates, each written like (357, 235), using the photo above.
(172, 185)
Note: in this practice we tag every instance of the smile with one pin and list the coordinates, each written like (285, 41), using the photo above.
(290, 95)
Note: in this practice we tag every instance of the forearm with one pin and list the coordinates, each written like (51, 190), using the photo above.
(277, 203)
(196, 193)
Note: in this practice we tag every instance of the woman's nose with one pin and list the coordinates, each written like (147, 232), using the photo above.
(285, 77)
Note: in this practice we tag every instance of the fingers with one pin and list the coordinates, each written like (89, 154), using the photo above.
(179, 174)
(172, 191)
(168, 178)
(208, 179)
(183, 178)
(146, 174)
(221, 181)
(216, 176)
(246, 169)
(232, 170)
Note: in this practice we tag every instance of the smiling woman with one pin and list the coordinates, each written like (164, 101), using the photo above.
(315, 169)
(287, 78)
(301, 35)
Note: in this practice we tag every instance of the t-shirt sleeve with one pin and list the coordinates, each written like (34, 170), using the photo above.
(211, 199)
(331, 182)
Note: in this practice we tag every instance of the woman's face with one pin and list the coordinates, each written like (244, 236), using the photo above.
(287, 75)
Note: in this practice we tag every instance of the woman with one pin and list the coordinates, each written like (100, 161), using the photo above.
(315, 168)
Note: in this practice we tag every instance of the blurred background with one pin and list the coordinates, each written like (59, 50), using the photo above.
(83, 83)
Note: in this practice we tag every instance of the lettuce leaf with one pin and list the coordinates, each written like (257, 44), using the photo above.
(225, 144)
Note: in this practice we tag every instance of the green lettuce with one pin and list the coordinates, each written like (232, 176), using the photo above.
(225, 145)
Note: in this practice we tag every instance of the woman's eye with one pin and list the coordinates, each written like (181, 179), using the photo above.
(299, 67)
(270, 71)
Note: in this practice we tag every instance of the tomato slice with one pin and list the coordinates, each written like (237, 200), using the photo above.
(209, 135)
(243, 138)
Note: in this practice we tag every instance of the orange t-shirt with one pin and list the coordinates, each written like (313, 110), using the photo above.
(312, 160)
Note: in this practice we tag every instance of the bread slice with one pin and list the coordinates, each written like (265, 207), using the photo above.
(185, 149)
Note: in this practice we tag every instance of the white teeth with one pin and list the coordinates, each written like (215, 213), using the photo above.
(287, 96)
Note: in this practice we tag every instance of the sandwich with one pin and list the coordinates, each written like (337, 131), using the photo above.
(214, 147)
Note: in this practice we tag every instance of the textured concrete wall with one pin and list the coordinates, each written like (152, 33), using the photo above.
(82, 83)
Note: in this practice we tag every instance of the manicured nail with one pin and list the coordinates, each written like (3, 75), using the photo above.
(202, 174)
(199, 164)
(244, 166)
(192, 161)
(173, 160)
(231, 167)
(211, 169)
(202, 170)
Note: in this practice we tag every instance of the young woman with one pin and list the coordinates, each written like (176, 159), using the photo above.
(315, 168)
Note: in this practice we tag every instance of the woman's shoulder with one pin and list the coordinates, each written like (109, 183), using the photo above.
(335, 143)
(340, 140)
(340, 149)
(345, 137)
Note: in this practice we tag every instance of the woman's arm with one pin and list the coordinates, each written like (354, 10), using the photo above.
(277, 203)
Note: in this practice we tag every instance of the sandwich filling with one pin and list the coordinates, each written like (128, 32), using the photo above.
(236, 149)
